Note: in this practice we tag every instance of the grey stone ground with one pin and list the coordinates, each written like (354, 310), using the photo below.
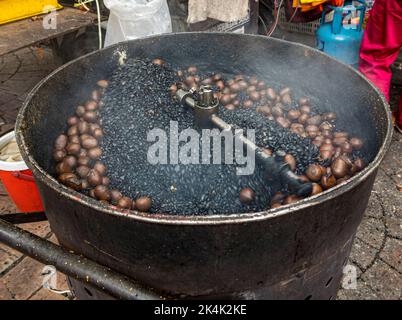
(377, 251)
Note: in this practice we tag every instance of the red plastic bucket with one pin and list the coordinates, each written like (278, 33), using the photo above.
(19, 182)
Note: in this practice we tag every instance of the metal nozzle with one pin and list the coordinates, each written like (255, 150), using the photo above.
(204, 107)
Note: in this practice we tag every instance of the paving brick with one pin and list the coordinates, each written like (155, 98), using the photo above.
(390, 197)
(5, 294)
(386, 283)
(41, 229)
(362, 292)
(7, 260)
(392, 254)
(53, 239)
(374, 209)
(24, 280)
(394, 227)
(9, 251)
(363, 254)
(371, 231)
(392, 161)
(9, 64)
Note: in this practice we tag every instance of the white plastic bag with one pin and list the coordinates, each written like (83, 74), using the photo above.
(131, 19)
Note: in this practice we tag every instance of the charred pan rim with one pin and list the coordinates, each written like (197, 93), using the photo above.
(218, 219)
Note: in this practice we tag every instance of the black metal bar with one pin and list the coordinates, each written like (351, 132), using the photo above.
(73, 265)
(24, 217)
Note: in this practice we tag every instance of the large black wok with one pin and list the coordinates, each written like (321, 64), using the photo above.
(295, 252)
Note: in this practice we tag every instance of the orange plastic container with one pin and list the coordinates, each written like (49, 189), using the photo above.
(19, 182)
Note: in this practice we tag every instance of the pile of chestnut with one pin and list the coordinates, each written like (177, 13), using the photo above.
(336, 163)
(77, 154)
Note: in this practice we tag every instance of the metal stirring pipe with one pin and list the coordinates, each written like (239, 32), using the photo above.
(205, 110)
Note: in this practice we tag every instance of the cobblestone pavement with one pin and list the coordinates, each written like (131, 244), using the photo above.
(376, 254)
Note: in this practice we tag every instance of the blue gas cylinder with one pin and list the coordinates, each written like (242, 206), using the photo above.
(342, 39)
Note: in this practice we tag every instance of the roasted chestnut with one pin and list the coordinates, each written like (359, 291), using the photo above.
(125, 203)
(356, 143)
(255, 96)
(80, 110)
(293, 114)
(305, 109)
(359, 163)
(115, 195)
(95, 153)
(346, 147)
(235, 87)
(303, 100)
(158, 62)
(102, 192)
(89, 142)
(271, 94)
(247, 195)
(90, 116)
(103, 83)
(248, 104)
(59, 155)
(225, 99)
(100, 167)
(328, 181)
(303, 118)
(314, 172)
(265, 110)
(329, 116)
(220, 85)
(143, 204)
(316, 189)
(73, 148)
(283, 122)
(61, 142)
(339, 168)
(73, 120)
(230, 106)
(91, 105)
(70, 180)
(284, 91)
(290, 199)
(286, 99)
(83, 160)
(315, 120)
(277, 111)
(94, 178)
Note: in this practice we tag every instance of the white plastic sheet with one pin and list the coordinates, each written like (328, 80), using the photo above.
(131, 19)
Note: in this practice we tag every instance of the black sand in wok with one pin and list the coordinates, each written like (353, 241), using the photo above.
(137, 101)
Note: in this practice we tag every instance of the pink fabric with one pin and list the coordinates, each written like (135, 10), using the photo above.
(381, 43)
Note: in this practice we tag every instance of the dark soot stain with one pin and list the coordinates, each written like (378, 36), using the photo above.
(137, 101)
